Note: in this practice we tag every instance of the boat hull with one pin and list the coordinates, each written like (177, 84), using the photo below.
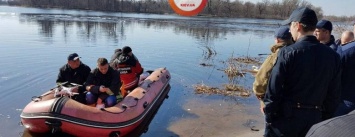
(46, 114)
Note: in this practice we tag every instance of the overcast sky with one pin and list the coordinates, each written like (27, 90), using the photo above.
(330, 7)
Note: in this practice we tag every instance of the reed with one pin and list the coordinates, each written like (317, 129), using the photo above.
(228, 90)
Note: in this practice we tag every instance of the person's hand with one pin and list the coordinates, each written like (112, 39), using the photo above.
(102, 89)
(99, 101)
(75, 89)
(262, 106)
(262, 110)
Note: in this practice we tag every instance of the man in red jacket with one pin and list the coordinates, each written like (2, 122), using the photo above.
(129, 67)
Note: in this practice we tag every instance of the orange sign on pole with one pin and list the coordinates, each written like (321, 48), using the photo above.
(188, 7)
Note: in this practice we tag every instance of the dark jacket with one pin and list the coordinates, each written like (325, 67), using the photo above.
(129, 68)
(78, 75)
(306, 72)
(111, 79)
(332, 43)
(347, 56)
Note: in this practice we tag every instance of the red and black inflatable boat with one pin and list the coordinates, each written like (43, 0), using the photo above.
(47, 113)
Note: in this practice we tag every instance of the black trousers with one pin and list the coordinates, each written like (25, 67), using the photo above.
(81, 97)
(296, 125)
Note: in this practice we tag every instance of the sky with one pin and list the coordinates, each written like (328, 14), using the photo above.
(329, 7)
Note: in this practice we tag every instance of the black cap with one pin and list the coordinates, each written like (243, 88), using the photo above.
(73, 56)
(325, 24)
(303, 15)
(283, 33)
(126, 50)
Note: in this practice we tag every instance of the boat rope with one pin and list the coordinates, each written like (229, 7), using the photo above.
(123, 106)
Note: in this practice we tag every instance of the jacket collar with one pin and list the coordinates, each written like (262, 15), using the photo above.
(331, 41)
(308, 38)
(277, 46)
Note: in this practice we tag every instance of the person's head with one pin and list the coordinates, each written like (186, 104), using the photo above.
(126, 50)
(354, 26)
(73, 60)
(302, 22)
(323, 30)
(346, 37)
(283, 35)
(118, 50)
(102, 64)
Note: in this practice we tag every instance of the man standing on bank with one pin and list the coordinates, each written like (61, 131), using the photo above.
(304, 85)
(76, 72)
(282, 38)
(323, 33)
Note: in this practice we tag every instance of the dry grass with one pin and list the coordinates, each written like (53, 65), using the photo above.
(229, 90)
(233, 71)
(248, 60)
(204, 89)
(239, 90)
(236, 69)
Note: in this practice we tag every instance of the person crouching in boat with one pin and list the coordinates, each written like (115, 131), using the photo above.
(103, 85)
(129, 67)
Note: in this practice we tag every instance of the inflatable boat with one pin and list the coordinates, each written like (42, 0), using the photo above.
(50, 113)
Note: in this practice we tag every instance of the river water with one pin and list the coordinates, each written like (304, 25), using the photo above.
(34, 44)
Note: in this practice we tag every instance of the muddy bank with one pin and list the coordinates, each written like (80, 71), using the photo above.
(225, 117)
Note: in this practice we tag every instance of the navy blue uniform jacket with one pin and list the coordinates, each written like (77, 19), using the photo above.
(305, 72)
(347, 56)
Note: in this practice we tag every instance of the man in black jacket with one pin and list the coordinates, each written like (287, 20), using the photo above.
(323, 33)
(103, 85)
(304, 86)
(347, 57)
(76, 72)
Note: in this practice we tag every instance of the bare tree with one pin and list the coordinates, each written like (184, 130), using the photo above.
(222, 8)
(248, 9)
(262, 7)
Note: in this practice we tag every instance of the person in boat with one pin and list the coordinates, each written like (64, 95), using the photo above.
(76, 72)
(103, 85)
(323, 33)
(129, 67)
(304, 84)
(282, 38)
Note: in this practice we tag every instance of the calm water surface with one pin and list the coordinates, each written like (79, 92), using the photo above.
(34, 44)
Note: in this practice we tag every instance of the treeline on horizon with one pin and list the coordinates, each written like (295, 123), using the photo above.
(266, 9)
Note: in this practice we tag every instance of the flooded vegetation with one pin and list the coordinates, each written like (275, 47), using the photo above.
(228, 90)
(236, 70)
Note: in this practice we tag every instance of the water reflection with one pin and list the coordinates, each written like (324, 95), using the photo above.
(114, 28)
(86, 30)
(66, 28)
(46, 27)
